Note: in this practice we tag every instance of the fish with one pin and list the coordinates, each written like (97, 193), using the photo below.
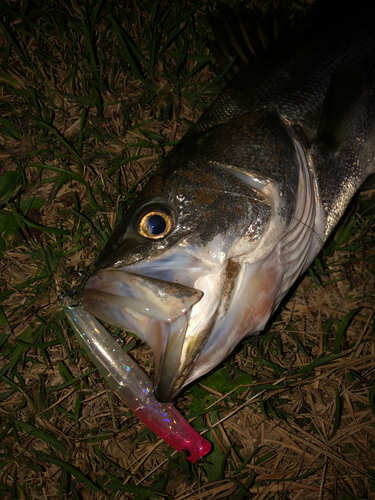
(242, 205)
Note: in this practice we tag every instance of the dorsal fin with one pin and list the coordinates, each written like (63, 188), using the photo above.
(243, 34)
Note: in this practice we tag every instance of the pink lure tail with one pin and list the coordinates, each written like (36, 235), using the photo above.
(166, 421)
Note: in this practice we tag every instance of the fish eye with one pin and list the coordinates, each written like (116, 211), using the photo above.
(156, 224)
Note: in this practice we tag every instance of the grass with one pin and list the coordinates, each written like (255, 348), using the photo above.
(93, 94)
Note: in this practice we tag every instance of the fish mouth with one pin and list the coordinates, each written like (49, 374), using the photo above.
(156, 311)
(190, 327)
(171, 302)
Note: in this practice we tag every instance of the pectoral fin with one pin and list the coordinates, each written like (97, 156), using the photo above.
(343, 110)
(343, 152)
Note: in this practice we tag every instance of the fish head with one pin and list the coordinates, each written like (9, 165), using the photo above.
(195, 266)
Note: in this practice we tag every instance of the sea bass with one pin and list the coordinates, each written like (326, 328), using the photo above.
(243, 204)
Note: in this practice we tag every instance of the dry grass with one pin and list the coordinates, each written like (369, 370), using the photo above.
(291, 415)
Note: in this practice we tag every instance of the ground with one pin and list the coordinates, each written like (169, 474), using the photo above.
(93, 95)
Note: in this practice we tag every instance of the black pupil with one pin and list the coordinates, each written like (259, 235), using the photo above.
(156, 224)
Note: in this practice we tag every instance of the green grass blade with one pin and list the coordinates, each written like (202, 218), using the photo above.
(69, 469)
(338, 414)
(44, 436)
(342, 328)
(128, 57)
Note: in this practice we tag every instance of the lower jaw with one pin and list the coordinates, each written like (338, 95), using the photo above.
(167, 356)
(165, 339)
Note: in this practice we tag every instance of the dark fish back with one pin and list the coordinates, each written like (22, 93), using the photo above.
(295, 74)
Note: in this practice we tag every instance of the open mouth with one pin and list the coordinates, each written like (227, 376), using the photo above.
(156, 311)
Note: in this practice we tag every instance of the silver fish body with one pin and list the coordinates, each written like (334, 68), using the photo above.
(243, 204)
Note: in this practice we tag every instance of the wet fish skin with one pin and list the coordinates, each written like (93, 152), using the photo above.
(256, 186)
(298, 85)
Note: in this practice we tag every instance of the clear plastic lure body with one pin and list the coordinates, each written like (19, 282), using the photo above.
(131, 384)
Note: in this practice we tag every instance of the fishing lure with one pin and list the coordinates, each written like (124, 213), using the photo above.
(131, 384)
